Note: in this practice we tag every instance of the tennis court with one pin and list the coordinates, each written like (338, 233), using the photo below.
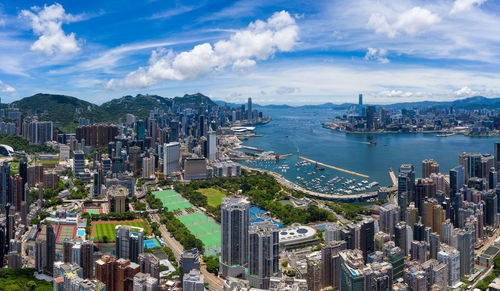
(178, 206)
(192, 218)
(203, 228)
(211, 240)
(151, 243)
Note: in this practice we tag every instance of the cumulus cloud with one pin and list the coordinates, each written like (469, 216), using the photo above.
(5, 88)
(379, 55)
(47, 23)
(465, 5)
(259, 41)
(411, 22)
(465, 92)
(396, 94)
(287, 90)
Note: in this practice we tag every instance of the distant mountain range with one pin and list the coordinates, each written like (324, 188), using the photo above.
(471, 102)
(67, 109)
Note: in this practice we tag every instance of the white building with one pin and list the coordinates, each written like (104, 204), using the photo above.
(451, 257)
(63, 152)
(171, 153)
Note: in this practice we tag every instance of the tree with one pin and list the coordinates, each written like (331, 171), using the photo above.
(212, 263)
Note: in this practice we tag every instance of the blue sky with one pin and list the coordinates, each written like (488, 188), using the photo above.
(294, 52)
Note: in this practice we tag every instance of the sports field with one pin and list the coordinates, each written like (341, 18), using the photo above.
(172, 200)
(214, 196)
(210, 240)
(101, 229)
(192, 218)
(93, 211)
(62, 232)
(203, 228)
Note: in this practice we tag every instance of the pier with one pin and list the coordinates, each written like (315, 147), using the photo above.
(250, 148)
(393, 177)
(335, 168)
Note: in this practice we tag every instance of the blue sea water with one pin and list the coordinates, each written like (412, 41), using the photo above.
(299, 132)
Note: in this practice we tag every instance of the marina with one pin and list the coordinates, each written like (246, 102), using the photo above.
(289, 134)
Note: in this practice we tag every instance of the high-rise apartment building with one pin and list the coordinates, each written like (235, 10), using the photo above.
(129, 242)
(263, 253)
(235, 211)
(171, 153)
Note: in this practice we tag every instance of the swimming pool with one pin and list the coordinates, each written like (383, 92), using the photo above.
(80, 232)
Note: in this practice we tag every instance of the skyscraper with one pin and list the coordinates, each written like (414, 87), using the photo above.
(456, 180)
(465, 245)
(491, 201)
(330, 264)
(389, 217)
(235, 211)
(4, 183)
(497, 156)
(171, 153)
(129, 242)
(87, 259)
(250, 109)
(367, 234)
(352, 277)
(212, 146)
(474, 165)
(150, 264)
(78, 162)
(51, 248)
(189, 261)
(360, 105)
(451, 257)
(263, 253)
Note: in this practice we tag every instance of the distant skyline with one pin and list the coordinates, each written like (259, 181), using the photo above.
(277, 52)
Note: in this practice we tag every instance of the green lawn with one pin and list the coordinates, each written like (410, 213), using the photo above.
(211, 240)
(107, 229)
(203, 228)
(214, 196)
(192, 218)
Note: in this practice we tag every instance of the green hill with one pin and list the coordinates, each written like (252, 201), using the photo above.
(68, 110)
(139, 105)
(60, 108)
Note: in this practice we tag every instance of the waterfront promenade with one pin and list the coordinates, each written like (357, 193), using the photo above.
(293, 186)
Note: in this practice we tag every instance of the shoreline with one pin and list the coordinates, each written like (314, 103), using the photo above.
(235, 143)
(287, 183)
(440, 133)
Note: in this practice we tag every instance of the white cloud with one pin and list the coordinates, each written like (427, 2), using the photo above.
(465, 5)
(5, 88)
(241, 51)
(411, 22)
(172, 12)
(465, 92)
(287, 90)
(396, 94)
(379, 55)
(47, 24)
